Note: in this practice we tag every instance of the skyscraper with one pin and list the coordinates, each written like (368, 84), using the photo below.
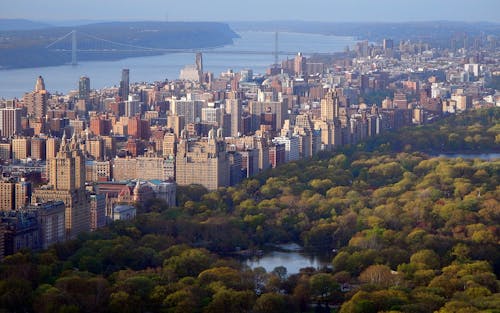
(199, 66)
(124, 85)
(84, 88)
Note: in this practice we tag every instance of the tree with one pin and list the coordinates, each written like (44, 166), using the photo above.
(228, 300)
(272, 303)
(323, 288)
(379, 275)
(15, 295)
(425, 259)
(190, 262)
(229, 277)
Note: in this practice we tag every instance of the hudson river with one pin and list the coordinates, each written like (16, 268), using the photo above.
(14, 83)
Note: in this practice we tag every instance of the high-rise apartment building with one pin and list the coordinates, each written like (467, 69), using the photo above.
(330, 106)
(5, 150)
(36, 101)
(235, 109)
(10, 121)
(176, 123)
(67, 183)
(190, 109)
(203, 162)
(7, 198)
(299, 65)
(169, 145)
(258, 108)
(51, 147)
(21, 147)
(14, 195)
(38, 148)
(94, 147)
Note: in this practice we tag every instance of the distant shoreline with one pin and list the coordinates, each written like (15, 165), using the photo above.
(107, 42)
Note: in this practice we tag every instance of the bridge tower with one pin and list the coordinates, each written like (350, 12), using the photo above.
(73, 48)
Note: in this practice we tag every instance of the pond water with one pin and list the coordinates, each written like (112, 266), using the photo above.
(291, 256)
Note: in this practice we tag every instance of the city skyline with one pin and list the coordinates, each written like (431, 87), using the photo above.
(224, 10)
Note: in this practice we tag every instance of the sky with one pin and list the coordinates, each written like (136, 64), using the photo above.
(254, 10)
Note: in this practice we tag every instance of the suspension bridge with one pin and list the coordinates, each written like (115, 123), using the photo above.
(76, 42)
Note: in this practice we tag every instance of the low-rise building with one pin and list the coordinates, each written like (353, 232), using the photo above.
(123, 212)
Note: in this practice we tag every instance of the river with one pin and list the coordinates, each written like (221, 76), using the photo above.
(15, 82)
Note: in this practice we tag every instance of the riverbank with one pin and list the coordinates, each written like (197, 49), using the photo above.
(111, 41)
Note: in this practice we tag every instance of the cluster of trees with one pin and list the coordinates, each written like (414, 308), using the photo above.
(409, 233)
(473, 132)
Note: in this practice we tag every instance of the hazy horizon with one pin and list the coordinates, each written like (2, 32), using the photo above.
(60, 11)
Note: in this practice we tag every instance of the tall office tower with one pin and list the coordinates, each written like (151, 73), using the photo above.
(36, 101)
(84, 88)
(330, 106)
(124, 85)
(199, 66)
(10, 121)
(234, 106)
(67, 184)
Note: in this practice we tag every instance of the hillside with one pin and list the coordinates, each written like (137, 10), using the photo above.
(437, 33)
(21, 24)
(27, 48)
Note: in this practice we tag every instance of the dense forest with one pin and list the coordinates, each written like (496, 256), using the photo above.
(411, 233)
